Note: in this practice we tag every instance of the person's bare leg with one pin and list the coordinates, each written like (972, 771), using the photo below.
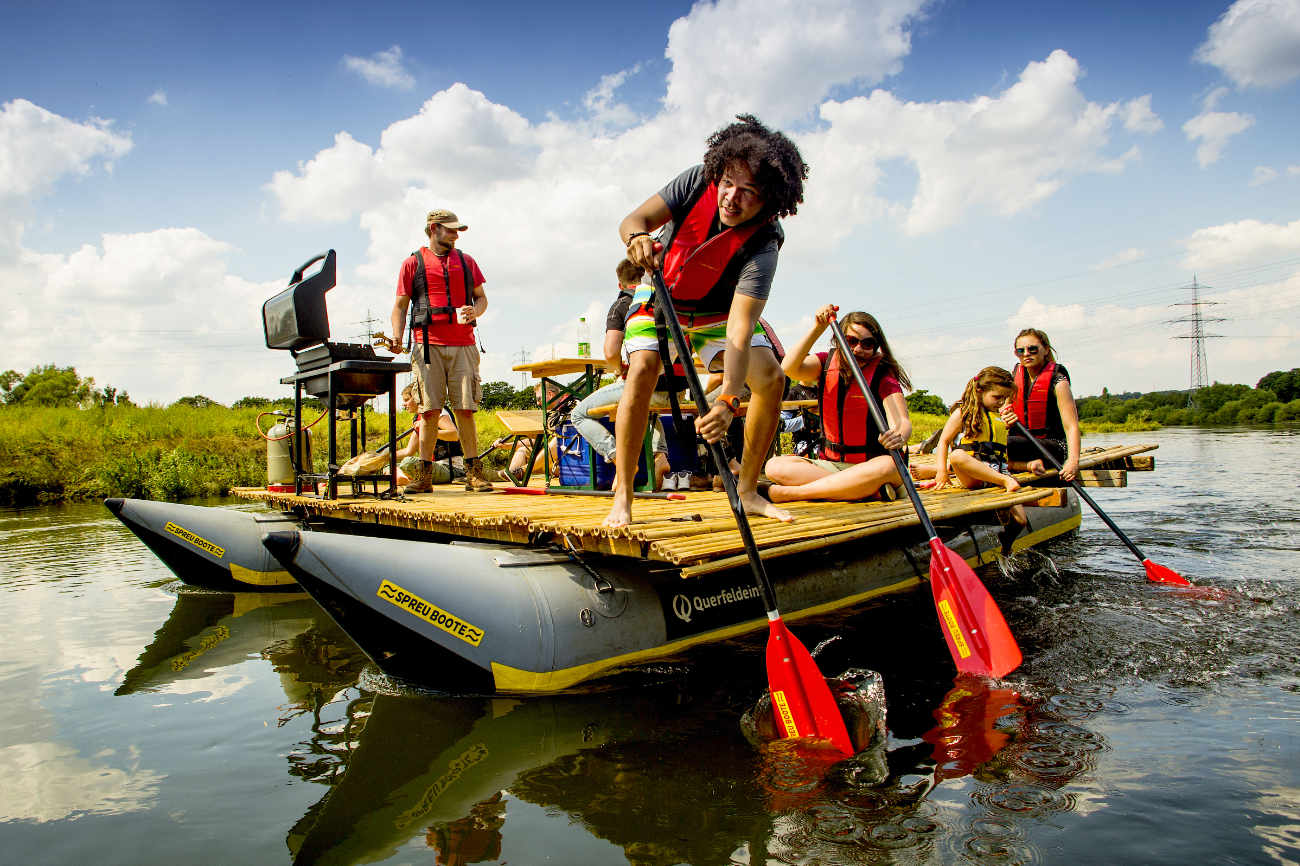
(856, 482)
(766, 382)
(970, 470)
(790, 469)
(629, 432)
(467, 430)
(429, 421)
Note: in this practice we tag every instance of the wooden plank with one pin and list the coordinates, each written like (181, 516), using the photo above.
(696, 532)
(559, 366)
(1103, 477)
(1054, 499)
(521, 422)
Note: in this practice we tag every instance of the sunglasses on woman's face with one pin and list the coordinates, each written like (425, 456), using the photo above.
(868, 344)
(1027, 350)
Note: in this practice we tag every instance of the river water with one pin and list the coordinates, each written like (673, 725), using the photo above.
(143, 722)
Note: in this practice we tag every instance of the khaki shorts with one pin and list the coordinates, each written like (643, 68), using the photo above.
(451, 377)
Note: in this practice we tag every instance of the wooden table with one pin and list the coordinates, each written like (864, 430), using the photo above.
(578, 389)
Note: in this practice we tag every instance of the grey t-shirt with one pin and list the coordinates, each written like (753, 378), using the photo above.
(755, 278)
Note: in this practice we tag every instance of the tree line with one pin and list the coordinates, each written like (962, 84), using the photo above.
(1275, 399)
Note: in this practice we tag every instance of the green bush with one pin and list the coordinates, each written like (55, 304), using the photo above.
(1267, 413)
(1289, 413)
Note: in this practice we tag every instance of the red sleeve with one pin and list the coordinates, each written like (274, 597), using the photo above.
(475, 275)
(405, 276)
(888, 386)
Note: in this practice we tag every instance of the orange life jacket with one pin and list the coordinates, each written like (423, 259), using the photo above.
(1032, 400)
(849, 434)
(694, 263)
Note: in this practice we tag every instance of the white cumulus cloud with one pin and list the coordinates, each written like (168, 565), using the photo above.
(1213, 128)
(382, 69)
(1241, 242)
(37, 147)
(1256, 43)
(1138, 116)
(778, 58)
(1005, 152)
(158, 97)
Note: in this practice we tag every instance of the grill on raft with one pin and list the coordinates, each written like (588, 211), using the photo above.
(344, 375)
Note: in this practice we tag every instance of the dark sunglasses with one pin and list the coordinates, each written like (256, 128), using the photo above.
(868, 344)
(1027, 350)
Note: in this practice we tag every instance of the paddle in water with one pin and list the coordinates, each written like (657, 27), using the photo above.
(972, 624)
(1156, 573)
(802, 703)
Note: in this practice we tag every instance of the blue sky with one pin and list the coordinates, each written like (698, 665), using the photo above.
(977, 167)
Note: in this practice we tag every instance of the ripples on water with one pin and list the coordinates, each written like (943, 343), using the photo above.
(148, 723)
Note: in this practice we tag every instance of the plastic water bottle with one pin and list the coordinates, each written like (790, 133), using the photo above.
(584, 338)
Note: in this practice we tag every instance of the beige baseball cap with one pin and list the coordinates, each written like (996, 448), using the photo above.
(444, 218)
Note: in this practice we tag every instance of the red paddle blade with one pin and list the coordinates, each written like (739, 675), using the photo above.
(1157, 573)
(801, 700)
(977, 635)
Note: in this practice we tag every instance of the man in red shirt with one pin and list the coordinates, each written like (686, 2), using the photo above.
(443, 289)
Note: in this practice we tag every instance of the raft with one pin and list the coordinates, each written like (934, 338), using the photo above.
(530, 594)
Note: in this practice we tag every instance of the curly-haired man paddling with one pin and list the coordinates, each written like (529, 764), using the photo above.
(718, 253)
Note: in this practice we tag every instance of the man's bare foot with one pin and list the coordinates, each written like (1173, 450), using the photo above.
(1037, 467)
(760, 507)
(620, 513)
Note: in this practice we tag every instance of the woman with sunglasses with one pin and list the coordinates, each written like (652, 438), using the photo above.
(854, 462)
(1044, 405)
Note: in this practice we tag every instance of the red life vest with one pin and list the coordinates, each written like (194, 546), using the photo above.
(849, 434)
(1031, 402)
(694, 262)
(437, 306)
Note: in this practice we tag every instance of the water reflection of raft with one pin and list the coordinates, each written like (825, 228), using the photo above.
(531, 594)
(207, 631)
(424, 764)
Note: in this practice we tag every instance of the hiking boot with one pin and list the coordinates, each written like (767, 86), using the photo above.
(421, 478)
(474, 480)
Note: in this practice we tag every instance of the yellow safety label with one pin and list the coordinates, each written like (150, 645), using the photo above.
(430, 613)
(950, 622)
(197, 540)
(787, 718)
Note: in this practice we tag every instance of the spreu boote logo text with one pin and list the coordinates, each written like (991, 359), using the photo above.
(686, 606)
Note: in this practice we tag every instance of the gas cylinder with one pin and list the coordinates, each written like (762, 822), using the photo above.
(279, 451)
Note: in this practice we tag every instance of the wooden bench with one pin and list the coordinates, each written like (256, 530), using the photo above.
(524, 424)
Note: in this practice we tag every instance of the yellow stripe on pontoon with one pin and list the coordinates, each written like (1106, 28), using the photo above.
(260, 578)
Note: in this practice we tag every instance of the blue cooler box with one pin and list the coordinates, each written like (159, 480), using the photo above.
(575, 461)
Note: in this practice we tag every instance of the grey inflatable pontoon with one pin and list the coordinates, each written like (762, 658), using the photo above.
(491, 617)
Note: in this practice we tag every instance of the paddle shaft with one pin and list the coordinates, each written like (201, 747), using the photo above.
(387, 445)
(1078, 488)
(882, 424)
(664, 299)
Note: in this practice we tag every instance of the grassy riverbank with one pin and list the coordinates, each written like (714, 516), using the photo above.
(54, 454)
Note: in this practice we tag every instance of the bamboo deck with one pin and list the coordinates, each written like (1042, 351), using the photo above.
(697, 533)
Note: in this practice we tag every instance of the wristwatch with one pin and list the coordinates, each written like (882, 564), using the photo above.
(731, 401)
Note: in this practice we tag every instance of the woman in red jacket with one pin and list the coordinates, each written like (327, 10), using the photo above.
(1044, 404)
